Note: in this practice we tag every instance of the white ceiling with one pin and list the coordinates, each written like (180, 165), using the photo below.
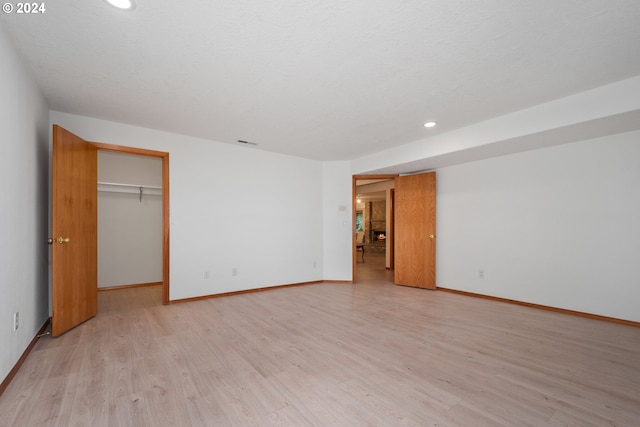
(327, 80)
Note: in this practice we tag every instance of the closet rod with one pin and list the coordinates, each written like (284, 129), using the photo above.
(129, 188)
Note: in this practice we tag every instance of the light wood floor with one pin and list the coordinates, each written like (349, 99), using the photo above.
(369, 354)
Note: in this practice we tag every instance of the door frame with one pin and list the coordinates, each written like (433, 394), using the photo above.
(354, 180)
(165, 203)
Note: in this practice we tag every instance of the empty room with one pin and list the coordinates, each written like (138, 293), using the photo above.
(338, 213)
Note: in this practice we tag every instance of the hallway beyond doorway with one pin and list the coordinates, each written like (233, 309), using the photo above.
(373, 270)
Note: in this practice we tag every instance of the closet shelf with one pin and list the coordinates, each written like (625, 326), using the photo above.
(114, 187)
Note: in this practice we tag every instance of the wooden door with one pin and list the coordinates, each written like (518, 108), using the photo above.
(75, 231)
(415, 229)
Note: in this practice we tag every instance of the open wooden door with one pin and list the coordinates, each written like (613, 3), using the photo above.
(74, 216)
(415, 229)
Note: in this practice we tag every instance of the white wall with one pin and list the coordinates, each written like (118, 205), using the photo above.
(337, 230)
(232, 207)
(129, 168)
(557, 226)
(24, 171)
(129, 227)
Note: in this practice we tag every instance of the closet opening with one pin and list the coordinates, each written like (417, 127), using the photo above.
(133, 218)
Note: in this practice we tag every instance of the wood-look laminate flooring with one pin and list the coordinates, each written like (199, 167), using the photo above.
(365, 354)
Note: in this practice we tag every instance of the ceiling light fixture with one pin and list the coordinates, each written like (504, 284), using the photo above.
(430, 124)
(127, 5)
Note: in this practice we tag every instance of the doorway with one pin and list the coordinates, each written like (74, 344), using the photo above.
(410, 237)
(74, 286)
(129, 221)
(373, 247)
(165, 203)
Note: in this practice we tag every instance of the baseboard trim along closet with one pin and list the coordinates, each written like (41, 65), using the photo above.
(135, 285)
(24, 356)
(248, 291)
(545, 307)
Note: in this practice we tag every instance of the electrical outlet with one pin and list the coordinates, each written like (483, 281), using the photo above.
(16, 320)
(206, 274)
(480, 274)
(234, 271)
(314, 264)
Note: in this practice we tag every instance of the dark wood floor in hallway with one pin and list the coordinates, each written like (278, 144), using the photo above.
(365, 354)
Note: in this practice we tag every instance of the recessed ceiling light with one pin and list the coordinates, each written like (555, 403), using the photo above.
(430, 124)
(122, 4)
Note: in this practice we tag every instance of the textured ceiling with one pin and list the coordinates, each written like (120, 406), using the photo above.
(328, 80)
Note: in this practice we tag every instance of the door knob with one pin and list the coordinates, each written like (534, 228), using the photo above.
(432, 236)
(59, 240)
